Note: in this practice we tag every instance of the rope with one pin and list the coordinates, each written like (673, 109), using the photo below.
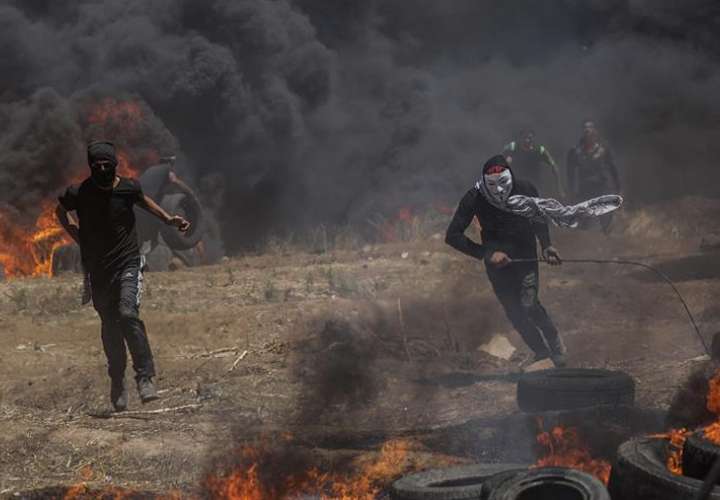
(659, 273)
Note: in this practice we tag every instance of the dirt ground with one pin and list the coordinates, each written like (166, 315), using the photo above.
(342, 348)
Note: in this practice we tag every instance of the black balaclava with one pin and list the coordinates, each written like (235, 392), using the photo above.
(99, 151)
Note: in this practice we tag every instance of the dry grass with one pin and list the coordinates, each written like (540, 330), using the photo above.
(275, 305)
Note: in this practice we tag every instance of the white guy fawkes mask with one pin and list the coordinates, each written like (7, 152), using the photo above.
(499, 185)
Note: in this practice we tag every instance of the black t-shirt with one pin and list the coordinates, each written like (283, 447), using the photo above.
(108, 237)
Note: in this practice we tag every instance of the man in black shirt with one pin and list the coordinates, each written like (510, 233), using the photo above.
(105, 231)
(507, 236)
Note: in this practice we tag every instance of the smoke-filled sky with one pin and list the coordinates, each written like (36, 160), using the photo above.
(328, 111)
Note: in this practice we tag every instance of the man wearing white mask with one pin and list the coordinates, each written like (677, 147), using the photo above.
(506, 236)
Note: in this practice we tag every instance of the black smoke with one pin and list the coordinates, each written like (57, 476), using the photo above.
(329, 111)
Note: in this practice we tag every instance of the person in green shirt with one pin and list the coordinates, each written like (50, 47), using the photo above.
(531, 160)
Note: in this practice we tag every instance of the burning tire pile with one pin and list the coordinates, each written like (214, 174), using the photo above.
(499, 482)
(657, 467)
(640, 472)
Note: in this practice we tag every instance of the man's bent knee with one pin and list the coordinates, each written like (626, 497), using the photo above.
(128, 313)
(529, 304)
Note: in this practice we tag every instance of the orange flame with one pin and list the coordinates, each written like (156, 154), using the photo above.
(712, 431)
(26, 250)
(676, 440)
(395, 228)
(564, 448)
(245, 484)
(126, 114)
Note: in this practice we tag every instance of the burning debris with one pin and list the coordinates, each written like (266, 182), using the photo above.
(27, 250)
(282, 471)
(678, 438)
(564, 448)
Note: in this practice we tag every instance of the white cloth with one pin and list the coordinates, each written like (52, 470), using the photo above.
(549, 209)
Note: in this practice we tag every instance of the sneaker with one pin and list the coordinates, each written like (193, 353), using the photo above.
(119, 395)
(146, 390)
(559, 360)
(542, 364)
(532, 360)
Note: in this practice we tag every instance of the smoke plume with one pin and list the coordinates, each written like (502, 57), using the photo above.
(329, 111)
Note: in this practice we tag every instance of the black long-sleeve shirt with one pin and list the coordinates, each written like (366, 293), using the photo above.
(513, 234)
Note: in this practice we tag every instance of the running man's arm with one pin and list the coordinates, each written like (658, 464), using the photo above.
(182, 187)
(455, 236)
(147, 204)
(68, 222)
(548, 160)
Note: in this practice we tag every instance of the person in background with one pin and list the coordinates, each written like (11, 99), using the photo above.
(591, 169)
(531, 160)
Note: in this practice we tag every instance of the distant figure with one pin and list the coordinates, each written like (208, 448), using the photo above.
(591, 169)
(157, 181)
(507, 236)
(104, 228)
(531, 160)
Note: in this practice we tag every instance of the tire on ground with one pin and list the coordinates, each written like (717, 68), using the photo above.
(454, 483)
(550, 483)
(572, 388)
(699, 455)
(188, 207)
(640, 473)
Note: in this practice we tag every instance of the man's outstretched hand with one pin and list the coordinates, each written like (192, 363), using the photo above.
(552, 256)
(500, 259)
(179, 222)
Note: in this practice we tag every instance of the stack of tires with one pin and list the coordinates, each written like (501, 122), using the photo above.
(640, 471)
(569, 391)
(499, 482)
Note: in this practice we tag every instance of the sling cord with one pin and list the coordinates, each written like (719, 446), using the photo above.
(659, 273)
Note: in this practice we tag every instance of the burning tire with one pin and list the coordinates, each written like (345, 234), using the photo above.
(573, 388)
(550, 483)
(699, 455)
(66, 258)
(188, 207)
(640, 473)
(454, 483)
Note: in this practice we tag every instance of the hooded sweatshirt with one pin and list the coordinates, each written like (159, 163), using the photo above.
(501, 230)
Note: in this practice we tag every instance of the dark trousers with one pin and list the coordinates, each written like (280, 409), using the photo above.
(589, 190)
(516, 287)
(117, 300)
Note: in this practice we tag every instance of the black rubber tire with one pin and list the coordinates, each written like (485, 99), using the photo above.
(188, 207)
(639, 473)
(454, 483)
(573, 388)
(66, 258)
(699, 455)
(550, 483)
